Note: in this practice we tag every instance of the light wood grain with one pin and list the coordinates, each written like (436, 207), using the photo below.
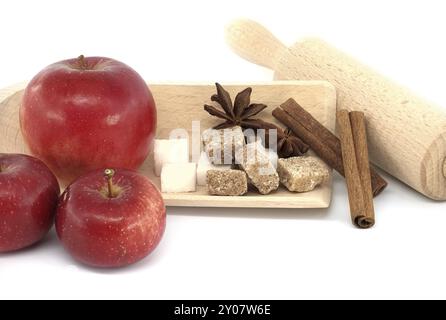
(407, 134)
(180, 104)
(240, 35)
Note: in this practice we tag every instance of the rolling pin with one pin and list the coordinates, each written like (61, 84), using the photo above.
(406, 134)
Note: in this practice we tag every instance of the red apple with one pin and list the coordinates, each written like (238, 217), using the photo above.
(88, 113)
(28, 198)
(111, 218)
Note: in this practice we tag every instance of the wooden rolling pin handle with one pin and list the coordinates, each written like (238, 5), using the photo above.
(254, 42)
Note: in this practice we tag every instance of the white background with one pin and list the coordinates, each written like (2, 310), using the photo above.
(222, 253)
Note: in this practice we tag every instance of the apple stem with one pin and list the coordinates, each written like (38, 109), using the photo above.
(109, 173)
(83, 65)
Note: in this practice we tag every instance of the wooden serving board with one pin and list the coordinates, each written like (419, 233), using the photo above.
(178, 106)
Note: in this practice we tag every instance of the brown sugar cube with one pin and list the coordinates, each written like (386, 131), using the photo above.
(255, 161)
(222, 145)
(226, 182)
(302, 174)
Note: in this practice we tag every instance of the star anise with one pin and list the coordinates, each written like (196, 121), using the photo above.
(239, 114)
(288, 144)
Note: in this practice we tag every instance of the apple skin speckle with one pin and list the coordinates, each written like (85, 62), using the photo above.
(111, 232)
(29, 193)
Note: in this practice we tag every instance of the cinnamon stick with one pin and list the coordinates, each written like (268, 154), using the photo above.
(311, 124)
(324, 143)
(312, 139)
(357, 174)
(357, 121)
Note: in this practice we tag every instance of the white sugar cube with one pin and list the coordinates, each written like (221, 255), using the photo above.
(204, 165)
(170, 151)
(179, 177)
